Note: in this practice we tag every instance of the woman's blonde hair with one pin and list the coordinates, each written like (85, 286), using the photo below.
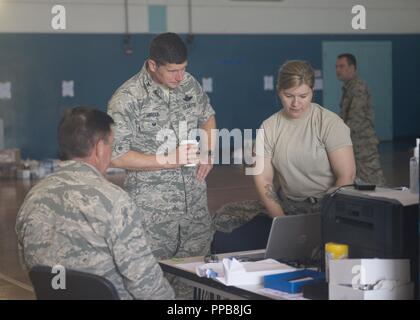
(295, 73)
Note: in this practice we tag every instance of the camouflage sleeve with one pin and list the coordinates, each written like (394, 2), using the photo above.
(357, 116)
(203, 104)
(19, 232)
(119, 108)
(22, 221)
(142, 275)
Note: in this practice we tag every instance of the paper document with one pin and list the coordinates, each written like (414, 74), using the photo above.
(67, 88)
(319, 84)
(268, 83)
(5, 90)
(207, 84)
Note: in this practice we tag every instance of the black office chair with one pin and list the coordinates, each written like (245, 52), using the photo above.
(79, 285)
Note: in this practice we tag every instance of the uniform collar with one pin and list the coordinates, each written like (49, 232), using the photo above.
(349, 83)
(146, 80)
(302, 118)
(79, 166)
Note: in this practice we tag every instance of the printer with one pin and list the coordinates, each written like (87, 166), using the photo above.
(383, 223)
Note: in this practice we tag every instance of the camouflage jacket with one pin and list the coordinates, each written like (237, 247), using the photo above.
(357, 112)
(143, 115)
(141, 110)
(78, 219)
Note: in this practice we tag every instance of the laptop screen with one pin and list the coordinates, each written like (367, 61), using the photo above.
(294, 238)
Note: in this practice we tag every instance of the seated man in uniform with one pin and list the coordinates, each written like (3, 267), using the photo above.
(78, 219)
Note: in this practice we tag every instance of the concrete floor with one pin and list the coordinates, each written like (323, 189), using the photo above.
(225, 184)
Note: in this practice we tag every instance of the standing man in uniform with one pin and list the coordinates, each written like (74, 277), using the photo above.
(357, 112)
(158, 105)
(80, 220)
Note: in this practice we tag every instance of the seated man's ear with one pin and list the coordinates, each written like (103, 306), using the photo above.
(99, 148)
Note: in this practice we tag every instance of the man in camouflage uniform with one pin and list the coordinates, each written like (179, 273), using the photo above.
(357, 112)
(77, 219)
(163, 102)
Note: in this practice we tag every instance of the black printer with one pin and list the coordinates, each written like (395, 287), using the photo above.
(383, 223)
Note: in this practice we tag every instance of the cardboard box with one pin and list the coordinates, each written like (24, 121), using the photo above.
(9, 157)
(355, 279)
(369, 271)
(346, 292)
(8, 172)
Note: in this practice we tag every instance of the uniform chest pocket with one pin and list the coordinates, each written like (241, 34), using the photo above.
(152, 122)
(192, 120)
(189, 109)
(150, 125)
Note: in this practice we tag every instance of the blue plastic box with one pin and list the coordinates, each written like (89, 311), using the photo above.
(292, 282)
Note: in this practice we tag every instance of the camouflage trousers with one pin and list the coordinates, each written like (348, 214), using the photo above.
(368, 165)
(235, 214)
(292, 207)
(194, 239)
(189, 247)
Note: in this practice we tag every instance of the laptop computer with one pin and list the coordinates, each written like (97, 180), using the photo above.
(294, 239)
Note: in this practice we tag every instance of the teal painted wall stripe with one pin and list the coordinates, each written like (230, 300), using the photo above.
(157, 18)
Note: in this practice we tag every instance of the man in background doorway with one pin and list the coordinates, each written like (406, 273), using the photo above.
(357, 112)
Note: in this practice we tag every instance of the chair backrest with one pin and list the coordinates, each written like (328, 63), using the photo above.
(78, 285)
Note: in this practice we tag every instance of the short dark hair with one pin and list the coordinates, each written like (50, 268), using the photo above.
(80, 129)
(168, 48)
(351, 59)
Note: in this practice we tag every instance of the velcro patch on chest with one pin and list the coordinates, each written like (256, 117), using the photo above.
(188, 106)
(152, 115)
